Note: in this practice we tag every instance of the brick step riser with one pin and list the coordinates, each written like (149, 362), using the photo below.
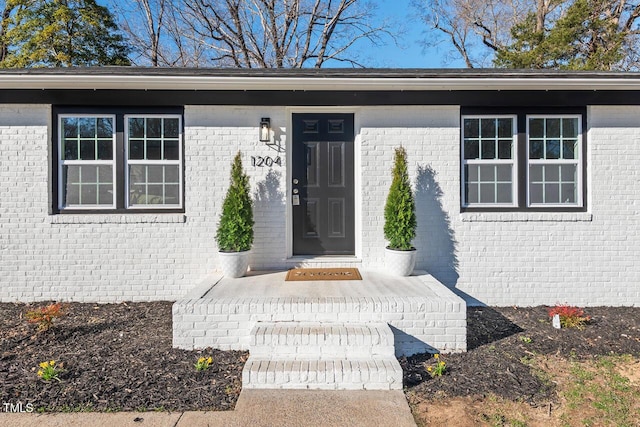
(317, 339)
(308, 351)
(364, 374)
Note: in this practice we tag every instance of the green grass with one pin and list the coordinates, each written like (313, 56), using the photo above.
(599, 395)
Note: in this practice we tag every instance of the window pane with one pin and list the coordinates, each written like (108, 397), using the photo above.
(471, 149)
(171, 174)
(568, 173)
(535, 173)
(504, 149)
(551, 173)
(105, 174)
(569, 149)
(171, 150)
(88, 174)
(553, 128)
(70, 127)
(471, 128)
(88, 195)
(535, 193)
(570, 128)
(154, 128)
(488, 149)
(553, 149)
(505, 128)
(105, 194)
(87, 149)
(105, 127)
(154, 150)
(155, 174)
(137, 174)
(71, 196)
(154, 193)
(70, 149)
(105, 151)
(505, 194)
(536, 128)
(87, 127)
(568, 193)
(551, 193)
(488, 128)
(136, 149)
(536, 149)
(471, 193)
(487, 193)
(471, 172)
(172, 194)
(136, 128)
(504, 173)
(171, 128)
(487, 173)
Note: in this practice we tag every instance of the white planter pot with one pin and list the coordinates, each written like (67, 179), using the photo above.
(400, 263)
(234, 264)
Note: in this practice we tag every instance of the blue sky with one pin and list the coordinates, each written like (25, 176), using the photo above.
(411, 53)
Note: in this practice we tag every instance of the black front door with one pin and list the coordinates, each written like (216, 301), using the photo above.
(322, 184)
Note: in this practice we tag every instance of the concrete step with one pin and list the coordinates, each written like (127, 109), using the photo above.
(321, 339)
(373, 373)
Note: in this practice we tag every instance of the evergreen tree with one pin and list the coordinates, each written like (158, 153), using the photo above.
(235, 230)
(584, 38)
(63, 33)
(400, 209)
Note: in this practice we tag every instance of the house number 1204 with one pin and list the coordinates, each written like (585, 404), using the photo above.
(268, 161)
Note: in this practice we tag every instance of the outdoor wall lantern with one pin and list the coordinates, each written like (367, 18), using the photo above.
(265, 130)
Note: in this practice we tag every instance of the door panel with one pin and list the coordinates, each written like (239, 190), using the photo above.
(322, 177)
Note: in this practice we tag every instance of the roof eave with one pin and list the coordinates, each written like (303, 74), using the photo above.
(173, 82)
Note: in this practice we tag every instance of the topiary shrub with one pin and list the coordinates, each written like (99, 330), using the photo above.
(235, 230)
(400, 209)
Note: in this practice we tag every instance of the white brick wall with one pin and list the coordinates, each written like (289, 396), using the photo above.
(124, 257)
(497, 259)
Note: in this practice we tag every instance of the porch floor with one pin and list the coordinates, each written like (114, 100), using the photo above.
(339, 335)
(423, 314)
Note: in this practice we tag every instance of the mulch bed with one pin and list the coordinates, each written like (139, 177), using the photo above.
(500, 340)
(115, 357)
(119, 357)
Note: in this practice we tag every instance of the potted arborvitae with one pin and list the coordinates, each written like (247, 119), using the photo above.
(235, 230)
(400, 219)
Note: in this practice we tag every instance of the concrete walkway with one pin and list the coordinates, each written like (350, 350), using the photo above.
(255, 408)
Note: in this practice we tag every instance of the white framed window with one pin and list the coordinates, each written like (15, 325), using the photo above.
(153, 157)
(114, 160)
(86, 161)
(489, 166)
(554, 161)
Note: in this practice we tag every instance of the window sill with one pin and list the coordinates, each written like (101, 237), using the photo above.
(526, 217)
(154, 218)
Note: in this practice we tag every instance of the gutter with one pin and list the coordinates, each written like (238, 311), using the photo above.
(262, 83)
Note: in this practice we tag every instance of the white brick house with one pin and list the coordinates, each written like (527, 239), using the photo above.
(527, 184)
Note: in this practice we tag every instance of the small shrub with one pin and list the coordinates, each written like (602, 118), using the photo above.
(44, 316)
(49, 371)
(570, 317)
(400, 209)
(235, 230)
(203, 363)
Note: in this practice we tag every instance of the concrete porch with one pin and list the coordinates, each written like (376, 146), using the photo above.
(322, 334)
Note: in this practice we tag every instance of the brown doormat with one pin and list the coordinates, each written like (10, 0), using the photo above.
(309, 274)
